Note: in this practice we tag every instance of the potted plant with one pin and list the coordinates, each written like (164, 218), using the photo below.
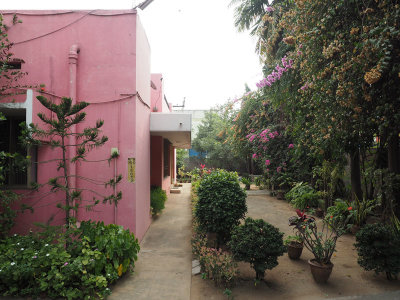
(247, 182)
(321, 244)
(294, 244)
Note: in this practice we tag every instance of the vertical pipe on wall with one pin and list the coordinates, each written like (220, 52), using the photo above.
(115, 190)
(115, 161)
(73, 61)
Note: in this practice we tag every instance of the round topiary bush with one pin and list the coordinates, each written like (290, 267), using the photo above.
(378, 249)
(221, 203)
(258, 243)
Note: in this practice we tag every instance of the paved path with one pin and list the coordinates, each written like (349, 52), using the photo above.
(163, 269)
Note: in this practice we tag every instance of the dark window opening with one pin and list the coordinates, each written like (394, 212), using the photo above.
(10, 130)
(15, 64)
(166, 158)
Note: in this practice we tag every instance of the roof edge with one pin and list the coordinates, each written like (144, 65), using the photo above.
(96, 12)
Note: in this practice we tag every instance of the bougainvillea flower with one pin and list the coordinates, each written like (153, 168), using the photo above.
(291, 146)
(267, 162)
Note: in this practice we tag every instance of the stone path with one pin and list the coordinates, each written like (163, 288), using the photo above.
(163, 268)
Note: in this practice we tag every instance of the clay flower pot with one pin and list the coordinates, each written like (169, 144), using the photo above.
(320, 272)
(294, 250)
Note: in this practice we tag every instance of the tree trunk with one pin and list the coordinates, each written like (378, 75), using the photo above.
(355, 174)
(393, 154)
(394, 167)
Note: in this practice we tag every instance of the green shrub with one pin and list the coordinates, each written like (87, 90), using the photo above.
(221, 203)
(198, 241)
(341, 211)
(299, 189)
(157, 199)
(303, 196)
(96, 255)
(378, 249)
(306, 201)
(8, 214)
(258, 243)
(118, 244)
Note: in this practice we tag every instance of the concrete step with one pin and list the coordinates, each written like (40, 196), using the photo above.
(175, 190)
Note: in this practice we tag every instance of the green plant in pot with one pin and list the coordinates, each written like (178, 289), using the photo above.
(321, 243)
(247, 182)
(295, 245)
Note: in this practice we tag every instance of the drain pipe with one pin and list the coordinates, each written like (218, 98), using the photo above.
(73, 61)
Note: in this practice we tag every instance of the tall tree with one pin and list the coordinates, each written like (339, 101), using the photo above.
(211, 139)
(58, 131)
(345, 85)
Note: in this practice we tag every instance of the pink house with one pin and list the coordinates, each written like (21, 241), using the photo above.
(101, 57)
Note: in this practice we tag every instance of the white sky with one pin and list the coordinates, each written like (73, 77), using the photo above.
(194, 44)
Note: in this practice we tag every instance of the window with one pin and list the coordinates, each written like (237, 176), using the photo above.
(14, 64)
(166, 158)
(10, 130)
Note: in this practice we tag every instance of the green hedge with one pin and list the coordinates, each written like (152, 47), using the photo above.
(221, 203)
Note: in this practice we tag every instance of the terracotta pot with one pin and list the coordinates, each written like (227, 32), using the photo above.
(320, 272)
(294, 250)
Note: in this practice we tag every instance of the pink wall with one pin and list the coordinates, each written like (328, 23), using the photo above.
(114, 60)
(142, 128)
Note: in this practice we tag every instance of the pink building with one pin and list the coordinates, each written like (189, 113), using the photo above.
(101, 57)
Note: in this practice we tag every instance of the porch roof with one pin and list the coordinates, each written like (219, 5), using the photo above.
(172, 126)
